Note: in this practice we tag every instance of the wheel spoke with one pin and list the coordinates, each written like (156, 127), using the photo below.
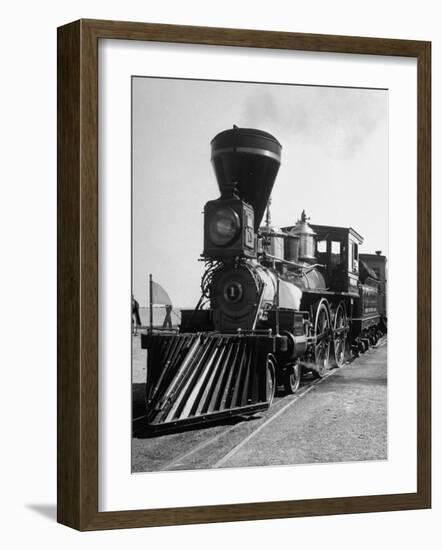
(322, 339)
(292, 378)
(271, 379)
(340, 330)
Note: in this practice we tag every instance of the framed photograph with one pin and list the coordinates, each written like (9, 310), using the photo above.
(244, 287)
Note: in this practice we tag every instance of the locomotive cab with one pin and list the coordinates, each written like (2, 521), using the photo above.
(337, 248)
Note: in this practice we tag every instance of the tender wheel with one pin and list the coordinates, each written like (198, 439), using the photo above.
(270, 379)
(340, 331)
(375, 337)
(292, 378)
(364, 344)
(322, 344)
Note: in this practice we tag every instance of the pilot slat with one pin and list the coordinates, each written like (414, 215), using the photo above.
(193, 378)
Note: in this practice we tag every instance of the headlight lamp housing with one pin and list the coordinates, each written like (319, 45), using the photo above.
(224, 226)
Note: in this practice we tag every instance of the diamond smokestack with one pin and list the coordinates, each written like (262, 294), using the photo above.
(248, 159)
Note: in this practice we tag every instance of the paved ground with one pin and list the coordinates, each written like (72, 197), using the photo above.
(342, 418)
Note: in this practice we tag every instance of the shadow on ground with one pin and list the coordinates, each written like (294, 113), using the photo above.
(49, 511)
(138, 402)
(142, 431)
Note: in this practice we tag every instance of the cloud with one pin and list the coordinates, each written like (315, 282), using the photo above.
(338, 120)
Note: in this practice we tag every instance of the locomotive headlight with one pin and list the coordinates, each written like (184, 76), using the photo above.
(224, 226)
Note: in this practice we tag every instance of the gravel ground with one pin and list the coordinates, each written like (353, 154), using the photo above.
(342, 419)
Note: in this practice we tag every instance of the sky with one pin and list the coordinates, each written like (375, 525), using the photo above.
(334, 165)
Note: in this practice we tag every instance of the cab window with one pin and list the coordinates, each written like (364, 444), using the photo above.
(336, 255)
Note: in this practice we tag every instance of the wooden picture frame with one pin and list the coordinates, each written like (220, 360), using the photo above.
(78, 274)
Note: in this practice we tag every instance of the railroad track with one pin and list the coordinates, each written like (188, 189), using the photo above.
(213, 446)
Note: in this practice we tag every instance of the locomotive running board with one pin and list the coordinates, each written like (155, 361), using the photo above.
(198, 378)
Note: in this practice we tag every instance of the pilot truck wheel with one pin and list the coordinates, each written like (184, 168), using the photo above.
(270, 379)
(292, 378)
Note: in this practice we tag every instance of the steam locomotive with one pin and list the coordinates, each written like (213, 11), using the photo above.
(275, 302)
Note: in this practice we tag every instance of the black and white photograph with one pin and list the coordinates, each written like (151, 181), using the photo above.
(219, 244)
(259, 274)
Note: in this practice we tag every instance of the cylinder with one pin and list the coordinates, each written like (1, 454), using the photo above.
(291, 247)
(307, 239)
(307, 248)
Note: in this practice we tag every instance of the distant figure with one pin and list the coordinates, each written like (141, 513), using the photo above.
(135, 314)
(167, 319)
